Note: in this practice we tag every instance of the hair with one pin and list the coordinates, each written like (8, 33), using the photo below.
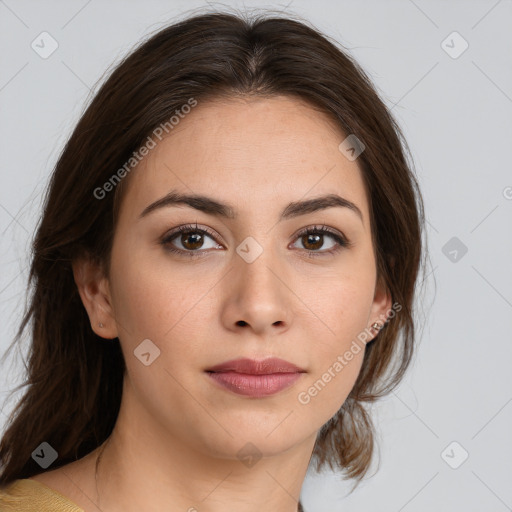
(74, 378)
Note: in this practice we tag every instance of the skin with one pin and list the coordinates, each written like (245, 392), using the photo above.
(175, 443)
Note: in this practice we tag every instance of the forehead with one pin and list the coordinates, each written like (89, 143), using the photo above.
(250, 152)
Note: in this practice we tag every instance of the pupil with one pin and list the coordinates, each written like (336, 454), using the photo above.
(195, 244)
(311, 241)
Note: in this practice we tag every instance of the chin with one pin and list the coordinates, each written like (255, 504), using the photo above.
(252, 442)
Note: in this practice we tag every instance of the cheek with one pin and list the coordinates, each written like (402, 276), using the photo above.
(335, 365)
(342, 309)
(152, 300)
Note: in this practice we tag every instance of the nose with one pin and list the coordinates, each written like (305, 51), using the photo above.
(258, 297)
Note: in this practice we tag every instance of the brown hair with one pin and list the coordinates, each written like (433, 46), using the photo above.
(74, 381)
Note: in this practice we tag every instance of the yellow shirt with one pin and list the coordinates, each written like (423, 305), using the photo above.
(27, 495)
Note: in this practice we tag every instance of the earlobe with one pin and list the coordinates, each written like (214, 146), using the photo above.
(94, 290)
(381, 307)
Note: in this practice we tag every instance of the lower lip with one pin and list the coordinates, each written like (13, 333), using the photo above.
(254, 385)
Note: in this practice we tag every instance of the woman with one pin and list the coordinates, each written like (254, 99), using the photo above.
(229, 228)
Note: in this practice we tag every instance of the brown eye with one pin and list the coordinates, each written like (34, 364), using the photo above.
(192, 240)
(189, 240)
(312, 242)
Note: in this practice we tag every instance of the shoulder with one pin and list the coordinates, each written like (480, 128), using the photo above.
(30, 495)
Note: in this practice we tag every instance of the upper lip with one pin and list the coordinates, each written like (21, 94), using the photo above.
(257, 367)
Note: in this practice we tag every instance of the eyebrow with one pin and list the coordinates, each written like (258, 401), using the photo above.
(213, 207)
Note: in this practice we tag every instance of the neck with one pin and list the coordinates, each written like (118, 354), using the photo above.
(136, 470)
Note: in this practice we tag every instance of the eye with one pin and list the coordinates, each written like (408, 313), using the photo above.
(313, 238)
(191, 238)
(192, 241)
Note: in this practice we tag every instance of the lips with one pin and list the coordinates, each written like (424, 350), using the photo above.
(255, 378)
(254, 367)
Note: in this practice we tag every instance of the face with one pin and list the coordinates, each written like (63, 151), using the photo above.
(249, 284)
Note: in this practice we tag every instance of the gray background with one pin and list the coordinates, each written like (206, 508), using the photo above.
(457, 117)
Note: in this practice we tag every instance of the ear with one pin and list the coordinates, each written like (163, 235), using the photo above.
(94, 291)
(381, 306)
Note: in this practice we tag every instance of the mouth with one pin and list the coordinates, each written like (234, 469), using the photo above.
(254, 378)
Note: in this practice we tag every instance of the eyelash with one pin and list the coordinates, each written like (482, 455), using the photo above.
(341, 242)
